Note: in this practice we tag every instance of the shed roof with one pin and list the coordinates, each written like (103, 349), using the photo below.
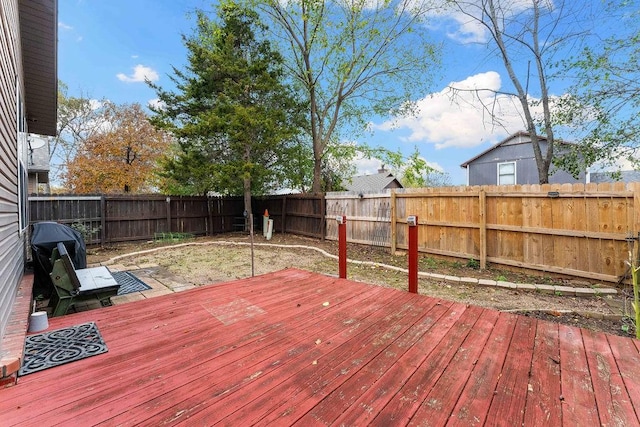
(374, 182)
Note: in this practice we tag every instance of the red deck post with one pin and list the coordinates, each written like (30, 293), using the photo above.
(412, 222)
(342, 246)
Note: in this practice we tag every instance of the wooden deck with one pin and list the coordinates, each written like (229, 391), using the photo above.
(294, 347)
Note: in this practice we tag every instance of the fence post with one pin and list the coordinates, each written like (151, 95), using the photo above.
(103, 221)
(483, 228)
(323, 220)
(168, 199)
(209, 217)
(635, 187)
(284, 215)
(393, 222)
(342, 246)
(412, 222)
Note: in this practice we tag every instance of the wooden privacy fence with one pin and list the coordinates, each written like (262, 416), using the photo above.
(574, 229)
(579, 230)
(301, 214)
(368, 217)
(108, 219)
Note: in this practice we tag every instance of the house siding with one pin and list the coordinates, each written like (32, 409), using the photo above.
(12, 242)
(625, 176)
(38, 165)
(483, 170)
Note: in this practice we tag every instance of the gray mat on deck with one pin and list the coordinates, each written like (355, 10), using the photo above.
(61, 346)
(129, 283)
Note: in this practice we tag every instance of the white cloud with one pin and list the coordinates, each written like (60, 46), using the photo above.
(466, 28)
(462, 117)
(367, 166)
(134, 56)
(95, 104)
(156, 103)
(433, 165)
(64, 26)
(140, 73)
(370, 166)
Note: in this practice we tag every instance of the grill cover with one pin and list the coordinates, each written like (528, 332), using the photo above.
(44, 237)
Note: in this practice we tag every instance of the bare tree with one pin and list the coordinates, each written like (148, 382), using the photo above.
(79, 118)
(605, 96)
(527, 36)
(352, 59)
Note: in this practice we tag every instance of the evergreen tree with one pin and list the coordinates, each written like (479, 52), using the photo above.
(234, 119)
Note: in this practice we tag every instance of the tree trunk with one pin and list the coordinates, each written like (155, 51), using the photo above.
(317, 175)
(542, 165)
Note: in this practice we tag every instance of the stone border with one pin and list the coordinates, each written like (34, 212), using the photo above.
(546, 289)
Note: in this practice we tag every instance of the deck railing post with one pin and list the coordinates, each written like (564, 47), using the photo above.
(412, 222)
(342, 246)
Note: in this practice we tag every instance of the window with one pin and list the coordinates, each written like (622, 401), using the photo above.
(507, 173)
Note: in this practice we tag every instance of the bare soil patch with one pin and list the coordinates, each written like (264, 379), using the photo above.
(210, 260)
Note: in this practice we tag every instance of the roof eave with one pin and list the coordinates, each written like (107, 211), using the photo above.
(39, 36)
(493, 147)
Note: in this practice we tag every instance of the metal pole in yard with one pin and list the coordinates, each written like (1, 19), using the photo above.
(342, 246)
(251, 233)
(412, 222)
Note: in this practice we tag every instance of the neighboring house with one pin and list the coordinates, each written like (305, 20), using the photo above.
(512, 161)
(28, 103)
(625, 176)
(38, 165)
(383, 180)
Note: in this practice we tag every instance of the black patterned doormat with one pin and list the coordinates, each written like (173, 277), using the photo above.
(129, 283)
(61, 346)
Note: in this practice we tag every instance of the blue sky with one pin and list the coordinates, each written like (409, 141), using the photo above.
(106, 48)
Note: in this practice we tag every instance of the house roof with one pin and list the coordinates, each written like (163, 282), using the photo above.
(520, 134)
(374, 182)
(39, 36)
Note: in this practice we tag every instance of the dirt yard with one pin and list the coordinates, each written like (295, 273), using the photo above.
(209, 260)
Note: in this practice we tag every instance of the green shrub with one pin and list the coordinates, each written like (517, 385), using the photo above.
(473, 263)
(85, 230)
